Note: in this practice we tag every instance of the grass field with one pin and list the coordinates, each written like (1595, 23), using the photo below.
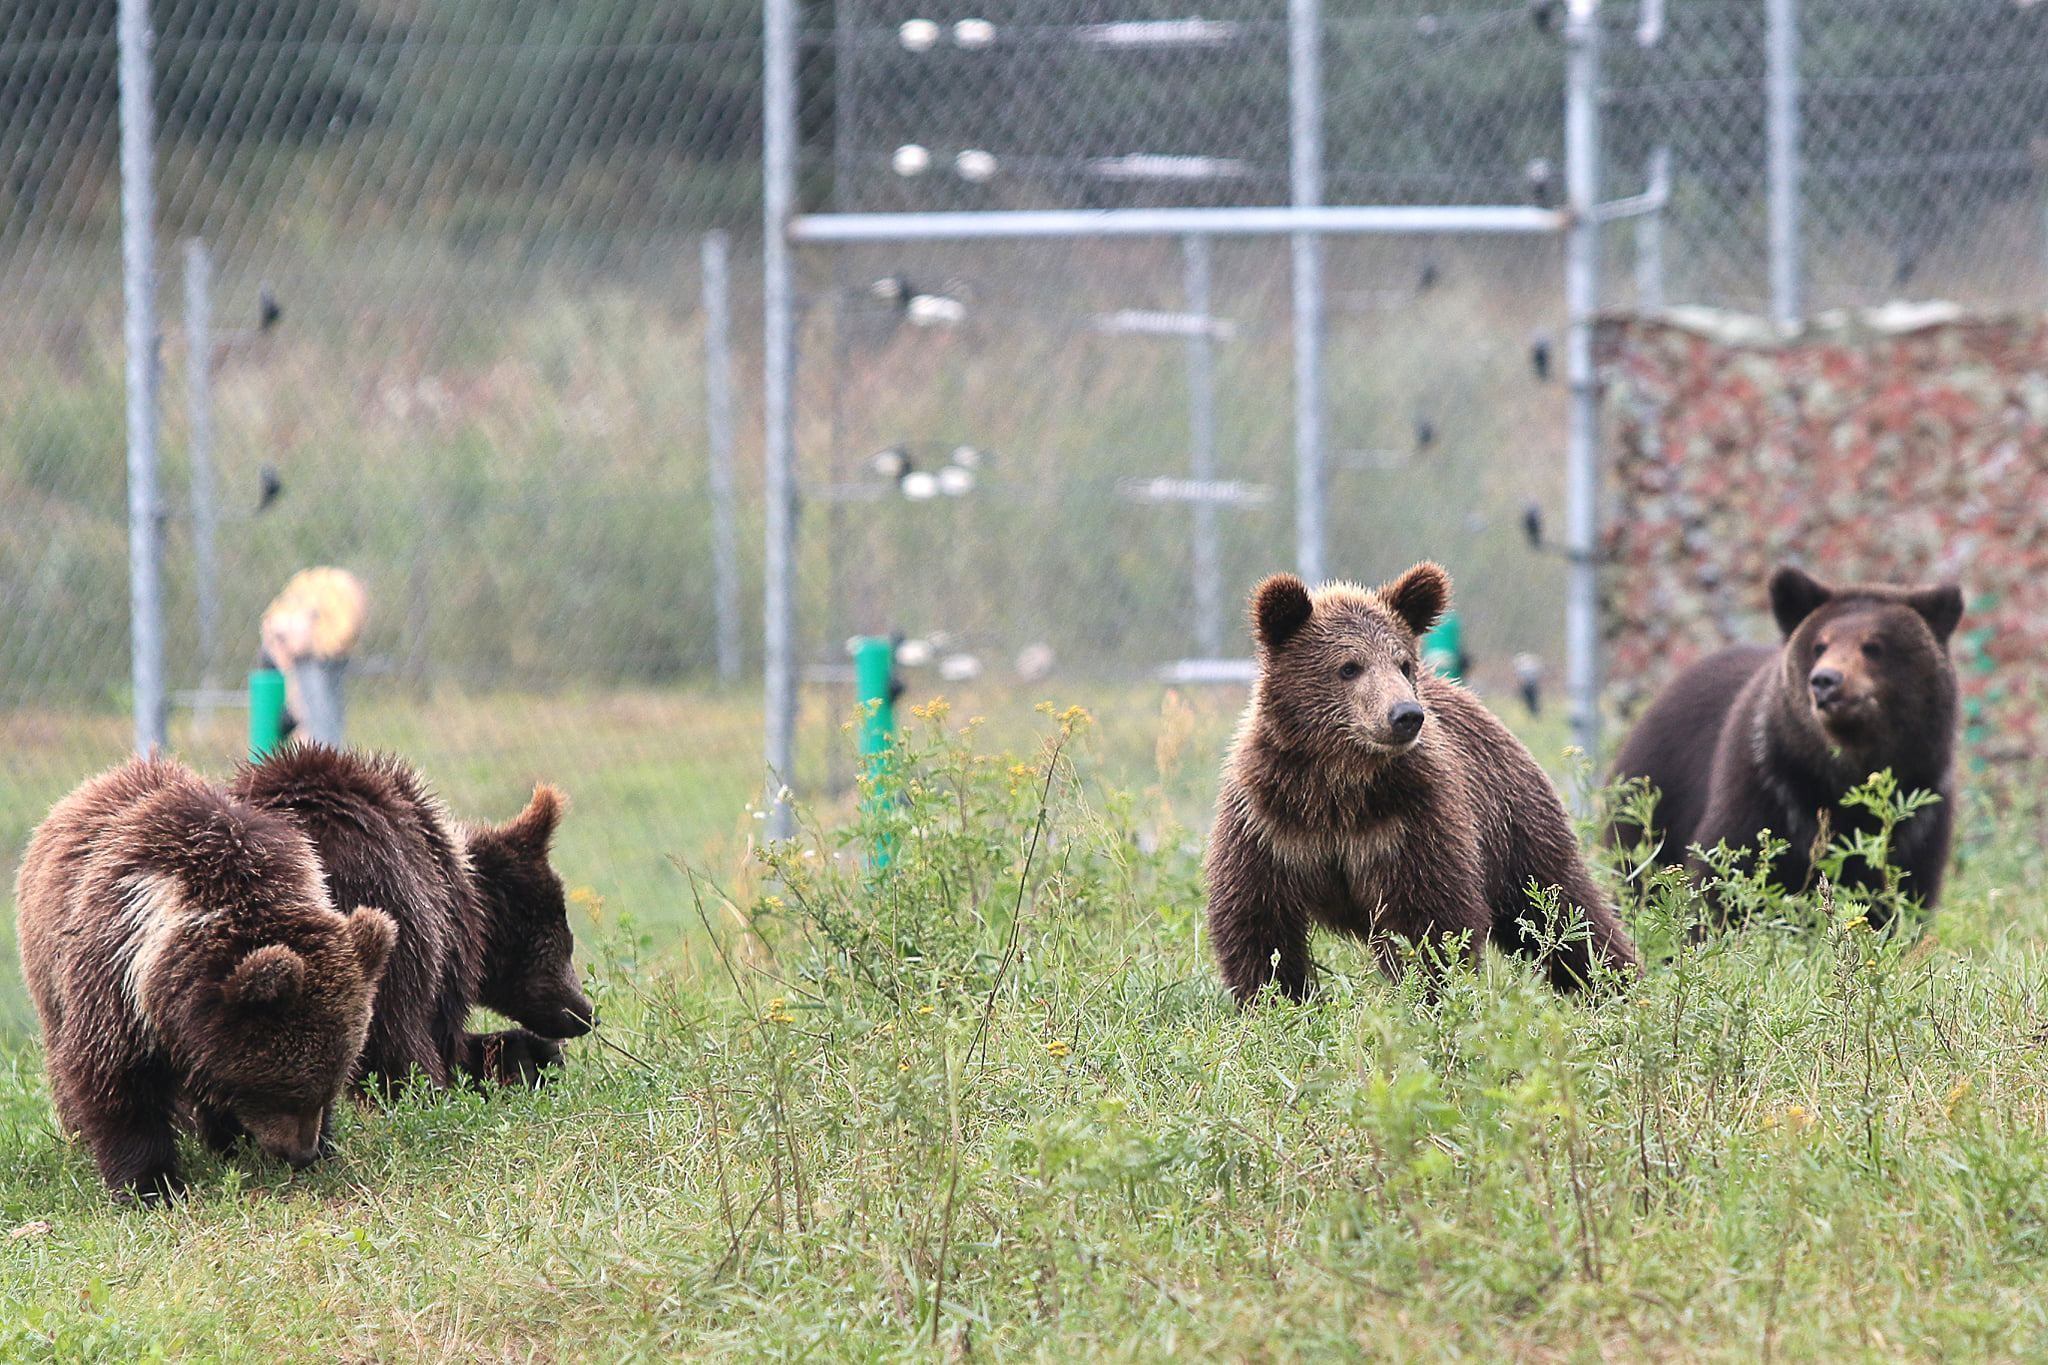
(991, 1103)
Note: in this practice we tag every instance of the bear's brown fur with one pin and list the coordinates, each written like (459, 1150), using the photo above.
(480, 912)
(186, 960)
(1369, 796)
(1756, 738)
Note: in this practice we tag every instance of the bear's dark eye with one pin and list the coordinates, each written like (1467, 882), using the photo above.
(1408, 669)
(1872, 650)
(1820, 647)
(1350, 670)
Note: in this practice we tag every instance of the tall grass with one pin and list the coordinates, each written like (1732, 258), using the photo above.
(990, 1101)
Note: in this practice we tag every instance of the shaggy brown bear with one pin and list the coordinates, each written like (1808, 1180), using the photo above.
(186, 961)
(480, 912)
(1369, 796)
(1756, 738)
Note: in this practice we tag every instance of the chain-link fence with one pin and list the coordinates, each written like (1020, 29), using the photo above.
(458, 344)
(1920, 163)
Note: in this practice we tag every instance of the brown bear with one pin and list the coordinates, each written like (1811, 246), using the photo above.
(186, 962)
(480, 912)
(1366, 794)
(1756, 738)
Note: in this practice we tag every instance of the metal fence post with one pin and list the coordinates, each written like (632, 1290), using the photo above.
(1650, 236)
(725, 567)
(1305, 160)
(320, 689)
(778, 297)
(1781, 74)
(199, 449)
(1198, 274)
(138, 288)
(1582, 306)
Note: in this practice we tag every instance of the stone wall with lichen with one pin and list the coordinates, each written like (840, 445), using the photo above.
(1904, 445)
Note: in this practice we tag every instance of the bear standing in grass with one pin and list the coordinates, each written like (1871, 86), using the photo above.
(480, 912)
(1757, 738)
(185, 959)
(1369, 796)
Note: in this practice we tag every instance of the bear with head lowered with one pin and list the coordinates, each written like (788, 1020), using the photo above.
(1757, 737)
(1366, 795)
(480, 911)
(187, 964)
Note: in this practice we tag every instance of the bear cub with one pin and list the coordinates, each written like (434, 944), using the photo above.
(186, 963)
(1757, 738)
(480, 912)
(1369, 796)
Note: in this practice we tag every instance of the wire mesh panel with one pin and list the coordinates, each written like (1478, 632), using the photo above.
(456, 347)
(1051, 463)
(1918, 162)
(1052, 104)
(449, 335)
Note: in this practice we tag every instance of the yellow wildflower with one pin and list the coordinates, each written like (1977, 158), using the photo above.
(1795, 1118)
(1058, 1048)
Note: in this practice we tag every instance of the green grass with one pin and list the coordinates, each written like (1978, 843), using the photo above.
(992, 1103)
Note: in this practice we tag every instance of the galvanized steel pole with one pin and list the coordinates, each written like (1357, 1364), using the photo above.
(1650, 237)
(1782, 130)
(1014, 225)
(716, 259)
(1198, 275)
(778, 304)
(1582, 425)
(1305, 149)
(138, 288)
(199, 450)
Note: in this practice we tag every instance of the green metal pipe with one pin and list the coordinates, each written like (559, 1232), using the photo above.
(874, 679)
(1444, 647)
(266, 713)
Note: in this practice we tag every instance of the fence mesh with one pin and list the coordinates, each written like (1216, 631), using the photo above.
(457, 326)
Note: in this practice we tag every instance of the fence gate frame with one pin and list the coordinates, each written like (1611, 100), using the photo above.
(1304, 220)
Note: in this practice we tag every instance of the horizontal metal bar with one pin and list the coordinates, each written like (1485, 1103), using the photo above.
(1635, 206)
(1223, 492)
(1143, 322)
(1224, 672)
(1252, 222)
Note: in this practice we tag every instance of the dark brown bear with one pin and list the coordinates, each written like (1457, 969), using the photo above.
(1756, 738)
(1369, 796)
(480, 913)
(186, 960)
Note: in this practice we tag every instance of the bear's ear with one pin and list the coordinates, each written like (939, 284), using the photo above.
(1280, 607)
(1941, 608)
(269, 978)
(373, 934)
(533, 829)
(1419, 596)
(1796, 595)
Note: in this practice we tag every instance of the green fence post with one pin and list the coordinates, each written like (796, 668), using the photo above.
(874, 679)
(266, 712)
(1443, 649)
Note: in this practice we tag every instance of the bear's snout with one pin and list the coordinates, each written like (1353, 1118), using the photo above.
(564, 1012)
(1827, 686)
(292, 1138)
(1404, 721)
